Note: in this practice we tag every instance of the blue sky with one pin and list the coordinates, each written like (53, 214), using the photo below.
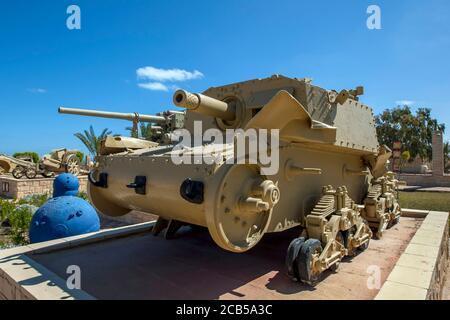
(44, 65)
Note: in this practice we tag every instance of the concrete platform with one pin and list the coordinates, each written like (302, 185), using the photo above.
(130, 263)
(193, 267)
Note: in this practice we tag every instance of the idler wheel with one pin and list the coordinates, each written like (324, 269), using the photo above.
(309, 252)
(291, 257)
(241, 210)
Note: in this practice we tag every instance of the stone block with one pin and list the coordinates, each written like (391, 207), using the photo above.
(422, 250)
(411, 276)
(397, 291)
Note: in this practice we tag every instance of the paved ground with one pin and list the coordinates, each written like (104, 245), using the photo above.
(191, 266)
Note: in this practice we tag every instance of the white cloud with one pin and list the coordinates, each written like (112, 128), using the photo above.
(154, 86)
(167, 75)
(405, 102)
(37, 90)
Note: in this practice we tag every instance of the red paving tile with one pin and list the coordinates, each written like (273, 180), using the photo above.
(191, 266)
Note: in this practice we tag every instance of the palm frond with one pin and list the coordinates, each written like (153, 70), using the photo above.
(91, 140)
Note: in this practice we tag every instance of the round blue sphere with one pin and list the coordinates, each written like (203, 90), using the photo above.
(65, 184)
(63, 217)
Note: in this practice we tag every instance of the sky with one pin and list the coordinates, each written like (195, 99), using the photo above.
(129, 56)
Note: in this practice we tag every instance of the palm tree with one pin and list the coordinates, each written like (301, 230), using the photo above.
(145, 131)
(91, 141)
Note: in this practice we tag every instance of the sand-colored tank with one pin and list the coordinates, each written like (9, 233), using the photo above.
(323, 155)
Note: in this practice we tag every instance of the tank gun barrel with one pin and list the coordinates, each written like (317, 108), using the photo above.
(113, 115)
(203, 104)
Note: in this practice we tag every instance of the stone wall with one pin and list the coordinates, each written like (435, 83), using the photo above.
(437, 178)
(19, 188)
(416, 166)
(420, 272)
(425, 180)
(438, 154)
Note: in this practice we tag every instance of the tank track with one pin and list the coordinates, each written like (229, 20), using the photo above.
(334, 229)
(381, 207)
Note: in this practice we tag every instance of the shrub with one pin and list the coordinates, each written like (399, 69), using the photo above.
(31, 154)
(83, 195)
(406, 155)
(80, 155)
(35, 200)
(6, 207)
(18, 214)
(20, 220)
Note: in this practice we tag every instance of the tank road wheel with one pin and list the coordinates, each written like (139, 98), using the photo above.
(30, 173)
(396, 213)
(291, 257)
(240, 212)
(394, 222)
(73, 165)
(348, 237)
(365, 245)
(309, 253)
(340, 237)
(18, 172)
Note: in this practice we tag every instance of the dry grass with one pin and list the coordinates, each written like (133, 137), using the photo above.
(435, 201)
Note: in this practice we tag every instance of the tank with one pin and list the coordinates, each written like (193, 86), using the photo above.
(330, 173)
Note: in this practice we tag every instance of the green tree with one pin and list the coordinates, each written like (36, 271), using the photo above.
(406, 156)
(80, 155)
(31, 154)
(414, 131)
(145, 131)
(91, 140)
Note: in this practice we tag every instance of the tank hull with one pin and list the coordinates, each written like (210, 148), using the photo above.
(164, 178)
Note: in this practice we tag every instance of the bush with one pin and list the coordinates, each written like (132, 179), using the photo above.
(83, 195)
(6, 207)
(35, 200)
(20, 220)
(18, 215)
(406, 155)
(80, 155)
(31, 154)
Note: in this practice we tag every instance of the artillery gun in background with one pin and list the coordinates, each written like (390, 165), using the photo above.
(18, 167)
(59, 160)
(332, 176)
